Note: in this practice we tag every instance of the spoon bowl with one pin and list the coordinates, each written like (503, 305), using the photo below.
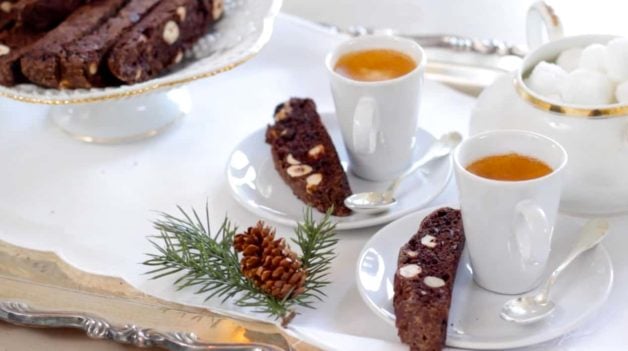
(536, 306)
(370, 202)
(527, 310)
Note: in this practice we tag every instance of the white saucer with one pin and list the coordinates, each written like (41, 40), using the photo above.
(474, 321)
(256, 185)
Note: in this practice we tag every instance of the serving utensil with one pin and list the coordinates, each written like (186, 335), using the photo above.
(537, 306)
(444, 41)
(375, 202)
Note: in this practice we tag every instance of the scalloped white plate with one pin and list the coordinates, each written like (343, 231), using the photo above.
(474, 321)
(245, 28)
(255, 184)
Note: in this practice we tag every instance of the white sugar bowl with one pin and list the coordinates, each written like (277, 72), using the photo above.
(595, 137)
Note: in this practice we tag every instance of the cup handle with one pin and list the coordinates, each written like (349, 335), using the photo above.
(532, 232)
(365, 124)
(542, 25)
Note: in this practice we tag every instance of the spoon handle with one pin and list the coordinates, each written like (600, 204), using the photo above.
(445, 41)
(591, 235)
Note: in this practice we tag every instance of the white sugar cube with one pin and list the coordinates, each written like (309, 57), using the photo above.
(616, 59)
(593, 58)
(585, 87)
(546, 78)
(569, 59)
(621, 93)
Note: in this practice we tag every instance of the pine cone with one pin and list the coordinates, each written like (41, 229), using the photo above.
(269, 263)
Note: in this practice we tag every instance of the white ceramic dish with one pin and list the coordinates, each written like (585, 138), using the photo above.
(595, 137)
(474, 321)
(256, 185)
(91, 115)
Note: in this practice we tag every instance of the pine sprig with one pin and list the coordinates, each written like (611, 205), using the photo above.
(186, 247)
(317, 242)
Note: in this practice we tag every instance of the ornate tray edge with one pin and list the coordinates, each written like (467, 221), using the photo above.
(45, 270)
(97, 328)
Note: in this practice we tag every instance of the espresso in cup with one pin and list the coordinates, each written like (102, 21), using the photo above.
(509, 167)
(509, 184)
(376, 82)
(374, 65)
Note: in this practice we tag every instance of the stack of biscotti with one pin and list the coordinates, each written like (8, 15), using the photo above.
(42, 15)
(55, 65)
(110, 42)
(305, 157)
(161, 39)
(21, 20)
(26, 23)
(424, 280)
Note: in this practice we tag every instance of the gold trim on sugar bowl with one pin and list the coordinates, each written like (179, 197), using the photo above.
(549, 52)
(608, 111)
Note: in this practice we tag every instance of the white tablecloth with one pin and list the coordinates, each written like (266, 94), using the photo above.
(92, 204)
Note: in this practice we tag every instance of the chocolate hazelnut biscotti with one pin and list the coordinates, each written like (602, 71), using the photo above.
(12, 41)
(41, 15)
(305, 157)
(81, 22)
(24, 22)
(8, 14)
(83, 63)
(424, 280)
(40, 64)
(21, 21)
(161, 38)
(101, 43)
(18, 37)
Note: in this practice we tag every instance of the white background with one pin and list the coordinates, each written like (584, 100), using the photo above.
(92, 203)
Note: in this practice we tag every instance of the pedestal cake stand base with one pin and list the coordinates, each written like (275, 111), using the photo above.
(125, 120)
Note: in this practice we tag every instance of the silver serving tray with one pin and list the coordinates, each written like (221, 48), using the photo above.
(39, 290)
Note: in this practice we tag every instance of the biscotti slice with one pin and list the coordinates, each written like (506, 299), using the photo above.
(82, 63)
(13, 44)
(424, 280)
(161, 38)
(41, 15)
(305, 157)
(40, 63)
(23, 23)
(35, 15)
(18, 37)
(8, 14)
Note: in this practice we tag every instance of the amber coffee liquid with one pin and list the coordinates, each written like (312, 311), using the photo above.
(511, 167)
(374, 65)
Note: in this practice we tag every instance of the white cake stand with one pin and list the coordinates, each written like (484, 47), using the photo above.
(132, 112)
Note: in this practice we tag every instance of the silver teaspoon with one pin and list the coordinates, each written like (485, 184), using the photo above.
(536, 306)
(376, 202)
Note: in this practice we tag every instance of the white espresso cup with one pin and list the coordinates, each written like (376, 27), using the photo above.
(378, 119)
(509, 224)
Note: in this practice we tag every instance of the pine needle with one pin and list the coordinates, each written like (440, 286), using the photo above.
(186, 247)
